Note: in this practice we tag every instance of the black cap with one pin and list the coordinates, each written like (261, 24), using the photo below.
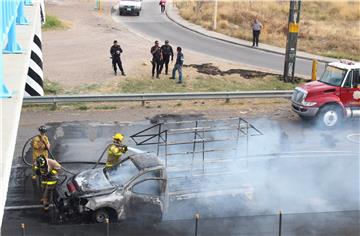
(115, 41)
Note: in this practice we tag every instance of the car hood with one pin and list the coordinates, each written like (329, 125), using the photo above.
(316, 87)
(92, 180)
(130, 3)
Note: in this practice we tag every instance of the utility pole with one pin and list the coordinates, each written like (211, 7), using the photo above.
(98, 6)
(291, 42)
(215, 14)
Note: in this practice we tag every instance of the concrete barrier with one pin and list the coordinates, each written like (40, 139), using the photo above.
(14, 68)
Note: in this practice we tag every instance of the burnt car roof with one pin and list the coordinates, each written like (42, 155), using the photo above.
(145, 160)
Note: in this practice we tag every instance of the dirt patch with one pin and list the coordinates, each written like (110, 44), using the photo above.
(210, 69)
(175, 118)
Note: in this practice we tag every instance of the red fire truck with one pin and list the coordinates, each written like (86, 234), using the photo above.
(332, 98)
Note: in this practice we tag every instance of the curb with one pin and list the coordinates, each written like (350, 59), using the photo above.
(323, 60)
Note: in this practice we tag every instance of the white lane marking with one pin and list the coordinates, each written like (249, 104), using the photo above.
(8, 208)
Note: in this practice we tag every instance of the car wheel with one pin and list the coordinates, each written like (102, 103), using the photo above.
(120, 13)
(101, 215)
(138, 13)
(330, 116)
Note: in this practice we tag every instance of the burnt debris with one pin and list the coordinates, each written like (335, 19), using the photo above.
(210, 69)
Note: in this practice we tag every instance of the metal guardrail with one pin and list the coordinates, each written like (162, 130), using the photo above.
(156, 97)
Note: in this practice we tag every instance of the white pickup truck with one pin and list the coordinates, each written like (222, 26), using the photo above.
(130, 7)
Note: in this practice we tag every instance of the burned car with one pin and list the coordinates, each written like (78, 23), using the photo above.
(133, 189)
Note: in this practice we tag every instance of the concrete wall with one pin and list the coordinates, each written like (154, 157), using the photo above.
(16, 67)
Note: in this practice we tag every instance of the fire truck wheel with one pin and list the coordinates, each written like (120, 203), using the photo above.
(330, 116)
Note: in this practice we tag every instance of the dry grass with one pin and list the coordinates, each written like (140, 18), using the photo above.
(193, 82)
(54, 23)
(326, 28)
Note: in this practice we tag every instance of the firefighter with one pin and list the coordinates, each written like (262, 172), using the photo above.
(40, 146)
(115, 150)
(48, 171)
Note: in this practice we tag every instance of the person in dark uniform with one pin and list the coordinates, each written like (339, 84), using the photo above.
(157, 59)
(167, 52)
(115, 52)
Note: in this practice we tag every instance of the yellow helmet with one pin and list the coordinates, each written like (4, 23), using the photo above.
(118, 137)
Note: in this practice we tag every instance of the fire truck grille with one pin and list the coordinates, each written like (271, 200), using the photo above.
(298, 95)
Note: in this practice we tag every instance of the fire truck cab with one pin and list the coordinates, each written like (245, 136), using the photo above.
(332, 98)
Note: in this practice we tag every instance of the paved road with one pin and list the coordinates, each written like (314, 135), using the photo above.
(324, 187)
(158, 26)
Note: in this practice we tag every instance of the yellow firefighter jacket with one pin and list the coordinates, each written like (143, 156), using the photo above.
(39, 148)
(114, 153)
(49, 174)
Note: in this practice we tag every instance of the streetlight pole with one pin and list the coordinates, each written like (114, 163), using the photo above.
(215, 14)
(291, 42)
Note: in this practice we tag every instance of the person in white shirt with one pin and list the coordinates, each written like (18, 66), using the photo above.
(256, 27)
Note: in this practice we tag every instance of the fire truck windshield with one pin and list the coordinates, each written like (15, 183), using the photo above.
(333, 76)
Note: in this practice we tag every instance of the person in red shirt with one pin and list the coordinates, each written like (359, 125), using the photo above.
(162, 4)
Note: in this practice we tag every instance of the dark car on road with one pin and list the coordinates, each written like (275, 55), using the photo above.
(133, 189)
(127, 7)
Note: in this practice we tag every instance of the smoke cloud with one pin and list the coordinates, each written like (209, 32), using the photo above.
(293, 167)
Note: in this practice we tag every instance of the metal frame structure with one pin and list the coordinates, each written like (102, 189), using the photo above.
(201, 130)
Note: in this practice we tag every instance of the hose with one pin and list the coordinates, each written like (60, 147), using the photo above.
(65, 178)
(23, 150)
(101, 156)
(51, 155)
(106, 148)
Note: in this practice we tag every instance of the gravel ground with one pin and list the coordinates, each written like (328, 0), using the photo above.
(134, 112)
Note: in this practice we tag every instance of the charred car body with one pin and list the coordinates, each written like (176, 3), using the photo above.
(133, 189)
